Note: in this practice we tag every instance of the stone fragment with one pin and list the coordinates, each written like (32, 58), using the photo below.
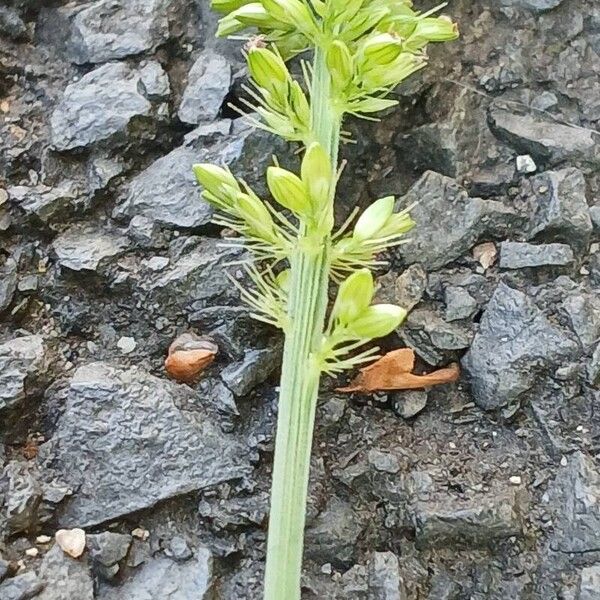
(477, 524)
(410, 403)
(561, 209)
(179, 549)
(410, 287)
(123, 445)
(21, 587)
(71, 541)
(520, 255)
(155, 81)
(113, 29)
(22, 366)
(208, 84)
(459, 304)
(583, 311)
(65, 578)
(526, 164)
(126, 345)
(385, 579)
(514, 345)
(101, 106)
(257, 365)
(589, 585)
(547, 142)
(535, 5)
(460, 221)
(108, 548)
(49, 204)
(86, 248)
(164, 578)
(595, 216)
(573, 498)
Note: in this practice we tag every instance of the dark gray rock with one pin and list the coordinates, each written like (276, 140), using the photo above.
(49, 204)
(123, 444)
(460, 221)
(478, 524)
(65, 578)
(8, 283)
(535, 5)
(410, 403)
(82, 248)
(573, 500)
(561, 209)
(22, 366)
(256, 367)
(101, 106)
(547, 142)
(4, 569)
(520, 255)
(583, 311)
(459, 304)
(164, 578)
(21, 587)
(385, 579)
(589, 586)
(112, 29)
(11, 23)
(514, 345)
(108, 548)
(208, 84)
(154, 81)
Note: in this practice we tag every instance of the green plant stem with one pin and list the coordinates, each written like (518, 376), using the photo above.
(300, 374)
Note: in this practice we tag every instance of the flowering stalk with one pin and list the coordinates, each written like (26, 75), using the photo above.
(361, 49)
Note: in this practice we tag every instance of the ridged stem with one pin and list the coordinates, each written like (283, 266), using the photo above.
(300, 374)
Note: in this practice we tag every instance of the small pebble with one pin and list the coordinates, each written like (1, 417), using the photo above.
(33, 552)
(43, 539)
(140, 534)
(526, 164)
(515, 480)
(126, 345)
(563, 461)
(71, 541)
(327, 569)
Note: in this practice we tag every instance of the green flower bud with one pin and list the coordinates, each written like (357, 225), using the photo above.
(214, 179)
(269, 72)
(377, 321)
(340, 63)
(256, 216)
(280, 124)
(255, 15)
(299, 104)
(380, 49)
(229, 25)
(354, 296)
(317, 175)
(431, 29)
(371, 105)
(288, 190)
(374, 219)
(382, 77)
(291, 12)
(226, 6)
(397, 224)
(283, 280)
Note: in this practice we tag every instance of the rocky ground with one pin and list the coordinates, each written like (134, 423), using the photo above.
(489, 489)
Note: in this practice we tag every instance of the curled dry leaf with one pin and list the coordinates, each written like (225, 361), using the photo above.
(485, 254)
(394, 372)
(188, 356)
(71, 541)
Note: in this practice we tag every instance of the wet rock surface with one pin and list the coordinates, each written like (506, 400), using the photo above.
(484, 489)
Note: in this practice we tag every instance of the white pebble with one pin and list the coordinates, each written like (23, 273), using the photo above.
(515, 480)
(126, 345)
(526, 164)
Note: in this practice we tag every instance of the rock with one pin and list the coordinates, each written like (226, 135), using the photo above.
(583, 311)
(526, 164)
(179, 550)
(65, 578)
(21, 587)
(589, 586)
(164, 578)
(385, 579)
(410, 287)
(8, 283)
(123, 444)
(547, 142)
(86, 248)
(519, 255)
(22, 367)
(561, 209)
(208, 84)
(101, 106)
(155, 82)
(108, 548)
(514, 345)
(48, 204)
(71, 541)
(126, 345)
(595, 216)
(333, 535)
(535, 5)
(4, 569)
(459, 304)
(112, 29)
(460, 221)
(478, 524)
(573, 500)
(256, 367)
(410, 403)
(11, 23)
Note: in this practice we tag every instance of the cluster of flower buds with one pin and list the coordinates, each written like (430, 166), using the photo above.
(376, 230)
(242, 210)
